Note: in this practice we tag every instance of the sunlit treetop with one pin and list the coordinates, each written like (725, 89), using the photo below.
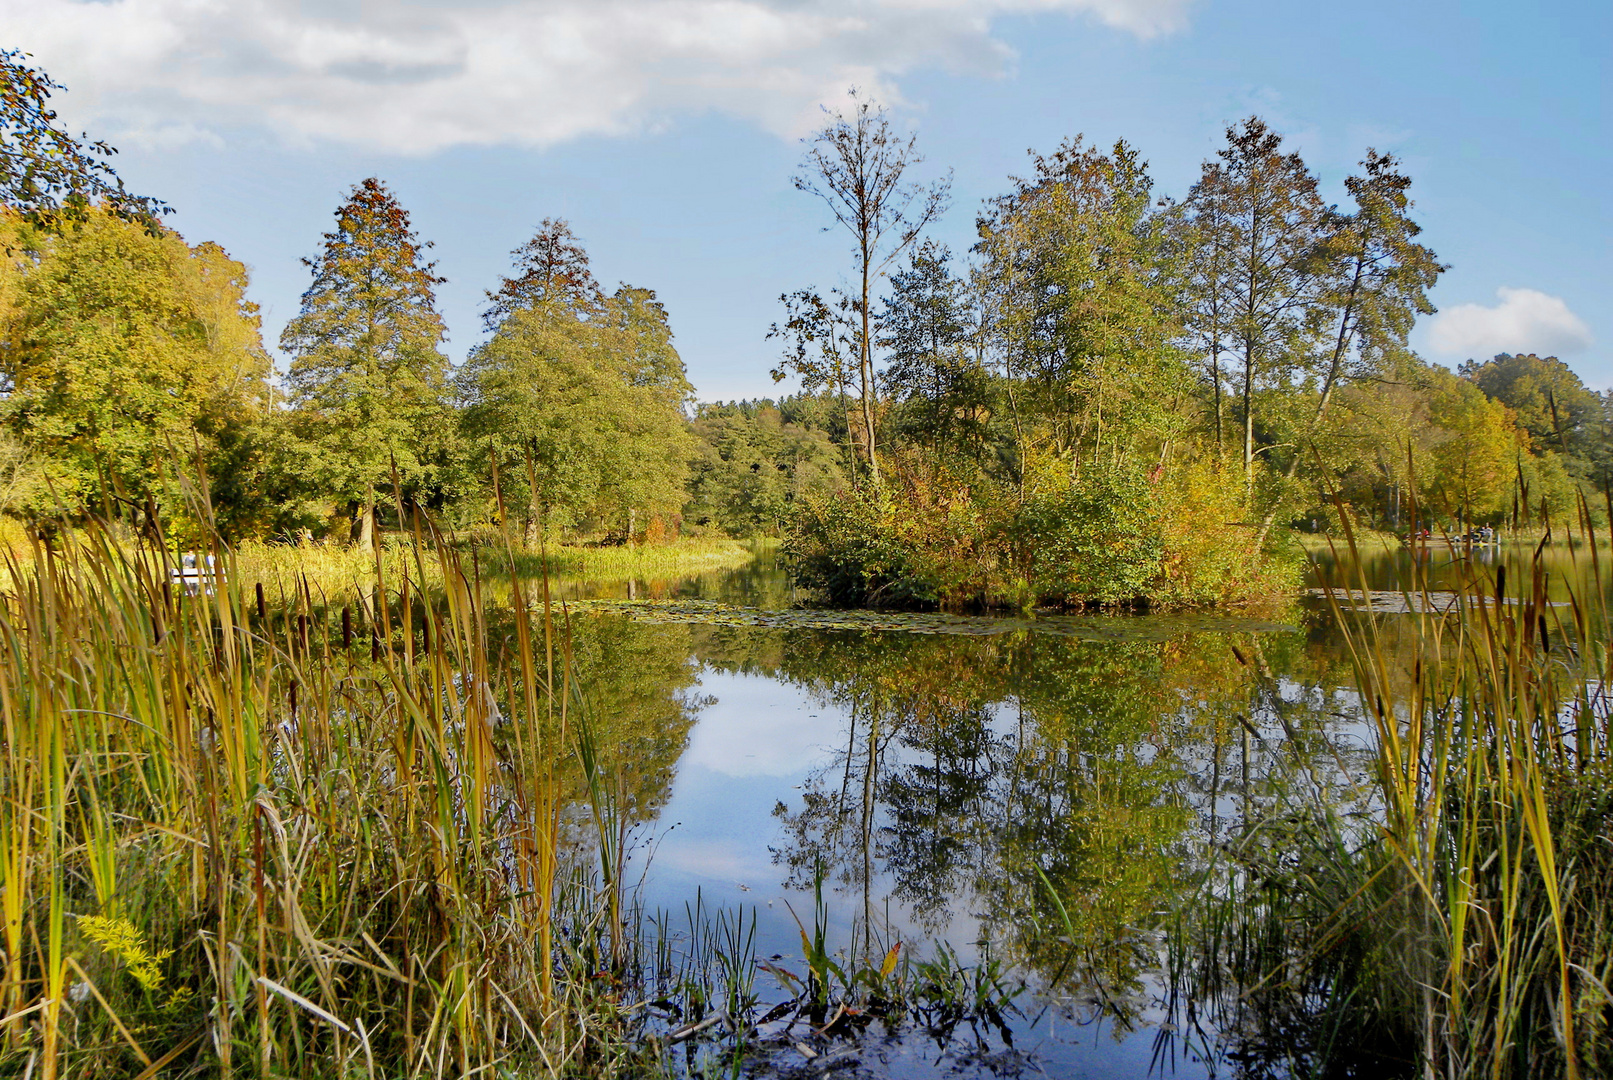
(45, 173)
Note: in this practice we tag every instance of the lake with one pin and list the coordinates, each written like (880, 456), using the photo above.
(1041, 802)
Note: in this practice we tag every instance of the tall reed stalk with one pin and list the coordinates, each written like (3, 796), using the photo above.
(265, 832)
(1465, 930)
(1492, 766)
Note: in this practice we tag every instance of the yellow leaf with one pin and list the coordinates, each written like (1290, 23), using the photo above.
(890, 961)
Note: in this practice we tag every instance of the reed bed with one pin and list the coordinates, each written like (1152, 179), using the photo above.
(249, 834)
(262, 831)
(333, 571)
(1453, 917)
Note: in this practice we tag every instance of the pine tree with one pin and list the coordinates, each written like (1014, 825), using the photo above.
(1259, 214)
(368, 376)
(927, 325)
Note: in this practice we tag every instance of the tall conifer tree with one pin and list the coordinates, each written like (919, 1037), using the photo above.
(368, 376)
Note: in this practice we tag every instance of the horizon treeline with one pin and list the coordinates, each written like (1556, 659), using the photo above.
(1097, 324)
(1097, 329)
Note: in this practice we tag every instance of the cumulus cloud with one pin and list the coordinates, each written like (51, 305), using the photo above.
(419, 77)
(1523, 320)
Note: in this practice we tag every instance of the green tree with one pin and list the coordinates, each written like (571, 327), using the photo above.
(367, 377)
(1260, 220)
(752, 464)
(46, 174)
(593, 399)
(820, 339)
(1475, 450)
(930, 330)
(124, 348)
(1097, 315)
(1550, 401)
(1373, 283)
(1377, 278)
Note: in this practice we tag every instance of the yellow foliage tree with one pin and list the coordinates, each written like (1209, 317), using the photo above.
(120, 348)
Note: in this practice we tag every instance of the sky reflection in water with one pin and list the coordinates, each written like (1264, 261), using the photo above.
(932, 776)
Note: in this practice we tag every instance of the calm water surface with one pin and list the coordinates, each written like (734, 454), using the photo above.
(1043, 798)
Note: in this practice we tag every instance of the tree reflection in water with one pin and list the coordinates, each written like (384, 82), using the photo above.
(1060, 804)
(1067, 796)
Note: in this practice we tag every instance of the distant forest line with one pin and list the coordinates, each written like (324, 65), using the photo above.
(1102, 352)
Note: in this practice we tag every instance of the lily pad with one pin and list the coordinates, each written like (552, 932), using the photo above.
(1083, 627)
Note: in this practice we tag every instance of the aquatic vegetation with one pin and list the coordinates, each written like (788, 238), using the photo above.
(1458, 920)
(1086, 628)
(266, 832)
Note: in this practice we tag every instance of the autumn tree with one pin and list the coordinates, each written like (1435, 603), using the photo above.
(122, 348)
(856, 165)
(367, 376)
(551, 272)
(1550, 400)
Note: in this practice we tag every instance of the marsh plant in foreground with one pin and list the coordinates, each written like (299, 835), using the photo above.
(1463, 925)
(249, 834)
(255, 832)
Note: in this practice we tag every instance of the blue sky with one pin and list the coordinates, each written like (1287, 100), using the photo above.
(667, 131)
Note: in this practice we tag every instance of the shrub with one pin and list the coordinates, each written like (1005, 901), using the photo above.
(1114, 535)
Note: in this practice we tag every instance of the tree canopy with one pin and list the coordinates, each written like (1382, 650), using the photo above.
(123, 348)
(46, 174)
(1198, 369)
(367, 377)
(578, 397)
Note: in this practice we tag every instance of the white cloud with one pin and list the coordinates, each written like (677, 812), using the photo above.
(1524, 320)
(418, 77)
(758, 727)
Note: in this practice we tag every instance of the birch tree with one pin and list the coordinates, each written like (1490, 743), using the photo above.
(856, 165)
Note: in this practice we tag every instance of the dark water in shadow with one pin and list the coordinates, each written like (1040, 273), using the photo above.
(1042, 802)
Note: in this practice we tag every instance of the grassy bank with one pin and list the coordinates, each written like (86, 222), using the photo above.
(1365, 540)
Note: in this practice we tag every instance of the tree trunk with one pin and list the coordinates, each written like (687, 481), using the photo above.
(366, 523)
(1335, 369)
(867, 372)
(1248, 414)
